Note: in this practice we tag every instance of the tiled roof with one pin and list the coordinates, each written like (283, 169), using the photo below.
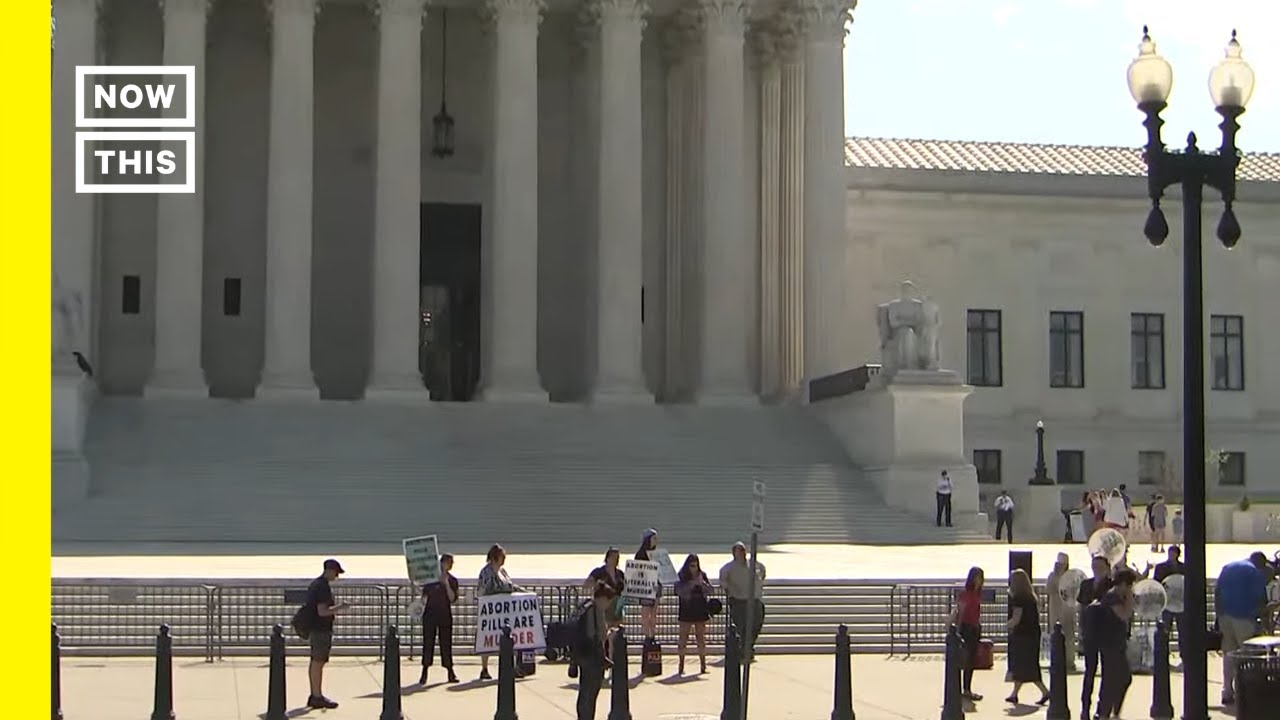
(1003, 157)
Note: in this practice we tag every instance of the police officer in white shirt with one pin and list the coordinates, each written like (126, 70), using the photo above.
(1004, 514)
(944, 499)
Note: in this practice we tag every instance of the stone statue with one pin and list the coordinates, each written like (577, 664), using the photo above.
(908, 332)
(68, 318)
(929, 351)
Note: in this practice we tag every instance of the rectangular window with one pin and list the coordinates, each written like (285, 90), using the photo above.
(1066, 349)
(1231, 469)
(131, 295)
(1070, 467)
(988, 464)
(1226, 347)
(1146, 340)
(231, 297)
(985, 352)
(1151, 467)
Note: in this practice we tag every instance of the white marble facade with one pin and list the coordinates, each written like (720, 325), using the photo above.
(613, 147)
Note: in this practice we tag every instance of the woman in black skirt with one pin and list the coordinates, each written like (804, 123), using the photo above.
(1024, 636)
(693, 589)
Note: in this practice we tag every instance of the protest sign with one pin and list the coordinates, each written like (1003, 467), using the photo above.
(522, 612)
(666, 571)
(642, 580)
(422, 555)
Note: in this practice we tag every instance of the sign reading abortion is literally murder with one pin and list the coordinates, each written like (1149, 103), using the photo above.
(522, 612)
(642, 580)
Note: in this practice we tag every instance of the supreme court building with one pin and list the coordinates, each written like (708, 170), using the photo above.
(515, 199)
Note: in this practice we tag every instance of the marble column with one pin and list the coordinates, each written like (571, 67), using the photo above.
(287, 367)
(728, 248)
(73, 312)
(673, 47)
(397, 207)
(73, 240)
(770, 196)
(791, 204)
(620, 212)
(826, 337)
(511, 349)
(180, 227)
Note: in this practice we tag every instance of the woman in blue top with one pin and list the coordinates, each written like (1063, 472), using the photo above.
(649, 608)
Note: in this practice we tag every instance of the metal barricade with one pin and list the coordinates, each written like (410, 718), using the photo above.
(122, 617)
(247, 612)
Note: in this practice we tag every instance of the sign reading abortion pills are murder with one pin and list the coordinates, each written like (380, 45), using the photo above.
(124, 152)
(642, 580)
(422, 555)
(522, 612)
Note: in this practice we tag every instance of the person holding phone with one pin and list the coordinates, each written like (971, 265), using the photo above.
(324, 609)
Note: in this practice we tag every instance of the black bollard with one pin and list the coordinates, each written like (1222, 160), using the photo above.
(1161, 704)
(391, 677)
(732, 675)
(275, 677)
(55, 677)
(1058, 708)
(952, 709)
(506, 678)
(620, 682)
(843, 709)
(163, 707)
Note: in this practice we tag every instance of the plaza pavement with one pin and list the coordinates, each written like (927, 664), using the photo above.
(793, 562)
(782, 688)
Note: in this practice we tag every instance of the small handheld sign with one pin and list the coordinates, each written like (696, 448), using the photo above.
(422, 556)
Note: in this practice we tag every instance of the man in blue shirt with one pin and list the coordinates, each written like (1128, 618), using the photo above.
(1239, 600)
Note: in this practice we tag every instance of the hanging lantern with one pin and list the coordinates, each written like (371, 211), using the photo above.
(442, 124)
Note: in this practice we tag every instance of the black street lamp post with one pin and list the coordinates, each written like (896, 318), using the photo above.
(1042, 473)
(1230, 85)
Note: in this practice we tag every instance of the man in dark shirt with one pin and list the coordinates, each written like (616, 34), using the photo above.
(1091, 589)
(1161, 572)
(323, 608)
(1110, 620)
(437, 619)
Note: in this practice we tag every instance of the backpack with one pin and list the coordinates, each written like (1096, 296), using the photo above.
(581, 646)
(302, 622)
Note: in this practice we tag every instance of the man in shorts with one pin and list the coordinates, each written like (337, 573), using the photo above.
(323, 610)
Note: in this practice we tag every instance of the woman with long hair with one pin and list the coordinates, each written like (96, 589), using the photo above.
(1024, 636)
(967, 617)
(649, 607)
(494, 580)
(606, 584)
(693, 589)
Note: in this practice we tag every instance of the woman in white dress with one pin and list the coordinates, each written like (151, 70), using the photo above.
(1117, 515)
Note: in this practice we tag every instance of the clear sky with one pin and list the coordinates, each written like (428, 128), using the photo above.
(1051, 71)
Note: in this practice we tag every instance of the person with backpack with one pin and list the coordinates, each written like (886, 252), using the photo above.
(589, 657)
(606, 584)
(314, 622)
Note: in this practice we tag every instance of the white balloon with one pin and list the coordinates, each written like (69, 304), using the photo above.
(1109, 543)
(1149, 599)
(1175, 587)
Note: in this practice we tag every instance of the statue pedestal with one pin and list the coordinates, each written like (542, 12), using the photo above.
(1037, 514)
(902, 431)
(71, 400)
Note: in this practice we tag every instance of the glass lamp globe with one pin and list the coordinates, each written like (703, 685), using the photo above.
(1231, 80)
(1150, 76)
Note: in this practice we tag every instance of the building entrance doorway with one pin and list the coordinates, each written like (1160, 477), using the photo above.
(449, 274)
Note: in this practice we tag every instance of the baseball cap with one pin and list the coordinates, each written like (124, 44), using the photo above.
(332, 564)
